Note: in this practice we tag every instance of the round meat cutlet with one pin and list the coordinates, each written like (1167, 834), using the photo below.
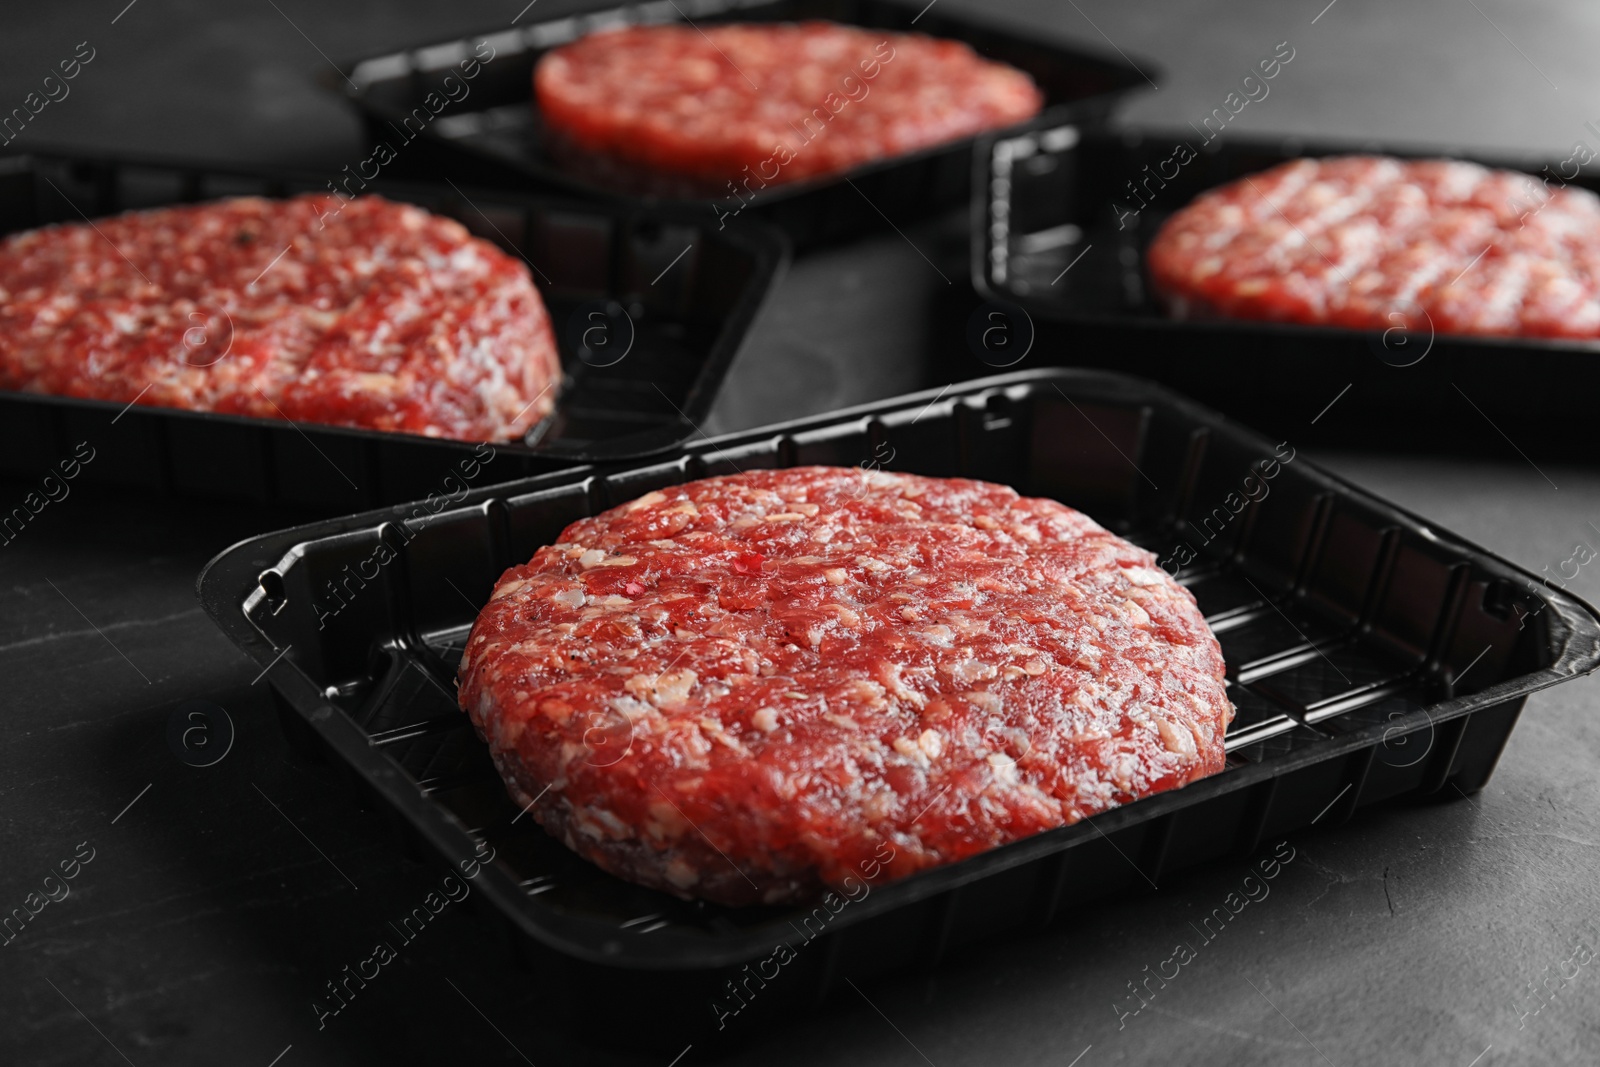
(360, 313)
(1373, 243)
(769, 103)
(747, 688)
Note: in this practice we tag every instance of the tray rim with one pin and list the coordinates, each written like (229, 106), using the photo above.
(221, 587)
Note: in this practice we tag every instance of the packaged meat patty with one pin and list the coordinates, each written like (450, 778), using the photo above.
(1374, 243)
(747, 688)
(358, 312)
(738, 107)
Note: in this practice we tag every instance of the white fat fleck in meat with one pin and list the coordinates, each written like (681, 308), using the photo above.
(693, 744)
(880, 805)
(672, 688)
(591, 558)
(1018, 743)
(765, 720)
(1137, 616)
(507, 730)
(834, 575)
(970, 670)
(1083, 657)
(911, 751)
(1145, 576)
(1004, 768)
(871, 564)
(965, 625)
(618, 561)
(681, 873)
(648, 500)
(713, 729)
(890, 675)
(610, 825)
(636, 712)
(557, 711)
(666, 822)
(1175, 736)
(846, 617)
(510, 588)
(1124, 769)
(987, 702)
(572, 598)
(863, 691)
(931, 742)
(940, 635)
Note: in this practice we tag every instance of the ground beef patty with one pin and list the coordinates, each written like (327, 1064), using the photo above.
(1374, 243)
(740, 688)
(362, 313)
(786, 101)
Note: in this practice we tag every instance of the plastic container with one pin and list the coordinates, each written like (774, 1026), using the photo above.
(1053, 232)
(690, 292)
(494, 128)
(1370, 656)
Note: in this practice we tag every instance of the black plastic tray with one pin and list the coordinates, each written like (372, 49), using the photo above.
(496, 132)
(1048, 196)
(1370, 656)
(691, 290)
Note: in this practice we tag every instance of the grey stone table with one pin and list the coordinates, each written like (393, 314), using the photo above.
(214, 901)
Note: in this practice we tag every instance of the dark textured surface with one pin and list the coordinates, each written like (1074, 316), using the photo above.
(208, 920)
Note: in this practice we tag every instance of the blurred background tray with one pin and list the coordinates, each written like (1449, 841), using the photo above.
(689, 290)
(496, 134)
(1046, 238)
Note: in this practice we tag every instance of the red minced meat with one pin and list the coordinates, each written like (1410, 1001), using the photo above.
(787, 101)
(740, 688)
(1373, 243)
(361, 313)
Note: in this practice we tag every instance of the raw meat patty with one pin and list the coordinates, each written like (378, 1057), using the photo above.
(788, 101)
(1374, 243)
(742, 688)
(357, 313)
